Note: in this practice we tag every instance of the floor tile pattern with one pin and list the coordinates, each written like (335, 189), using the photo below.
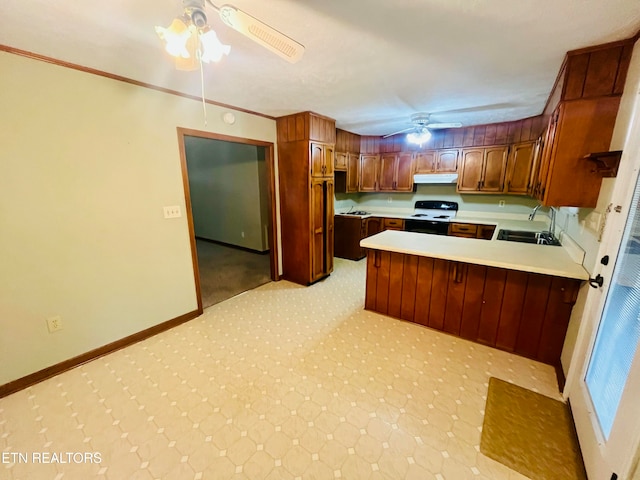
(281, 382)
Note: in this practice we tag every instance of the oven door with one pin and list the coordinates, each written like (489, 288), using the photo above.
(432, 227)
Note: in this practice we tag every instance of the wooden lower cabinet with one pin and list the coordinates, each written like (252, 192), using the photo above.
(348, 231)
(470, 230)
(322, 223)
(519, 312)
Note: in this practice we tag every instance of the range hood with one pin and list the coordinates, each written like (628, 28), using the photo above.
(446, 178)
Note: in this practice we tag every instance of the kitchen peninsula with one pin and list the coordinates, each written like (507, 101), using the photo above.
(511, 296)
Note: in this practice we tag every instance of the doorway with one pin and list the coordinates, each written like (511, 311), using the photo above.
(229, 189)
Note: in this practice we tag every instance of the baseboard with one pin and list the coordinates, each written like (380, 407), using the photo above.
(52, 371)
(237, 247)
(560, 376)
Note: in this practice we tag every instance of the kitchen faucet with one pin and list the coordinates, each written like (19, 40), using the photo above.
(534, 211)
(549, 235)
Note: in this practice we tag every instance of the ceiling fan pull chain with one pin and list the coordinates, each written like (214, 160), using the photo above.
(204, 104)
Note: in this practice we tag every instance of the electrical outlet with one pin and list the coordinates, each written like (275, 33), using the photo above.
(172, 212)
(501, 203)
(54, 324)
(389, 199)
(242, 234)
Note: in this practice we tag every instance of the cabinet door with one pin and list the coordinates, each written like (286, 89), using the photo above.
(388, 166)
(495, 165)
(353, 164)
(463, 230)
(447, 161)
(318, 221)
(426, 161)
(316, 159)
(545, 160)
(535, 165)
(404, 172)
(374, 225)
(368, 176)
(329, 216)
(341, 161)
(471, 163)
(328, 160)
(519, 168)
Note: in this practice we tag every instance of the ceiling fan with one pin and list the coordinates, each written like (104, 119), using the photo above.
(190, 40)
(421, 123)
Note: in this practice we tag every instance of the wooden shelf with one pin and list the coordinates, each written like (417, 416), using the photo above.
(606, 163)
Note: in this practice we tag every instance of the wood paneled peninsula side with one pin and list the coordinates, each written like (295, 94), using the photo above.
(512, 296)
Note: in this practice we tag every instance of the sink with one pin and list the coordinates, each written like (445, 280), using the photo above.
(524, 236)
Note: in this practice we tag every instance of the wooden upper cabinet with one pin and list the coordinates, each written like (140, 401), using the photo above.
(482, 170)
(404, 172)
(306, 126)
(387, 176)
(341, 161)
(471, 165)
(447, 161)
(582, 109)
(368, 175)
(321, 158)
(426, 161)
(396, 172)
(577, 128)
(328, 160)
(437, 161)
(495, 166)
(519, 168)
(353, 167)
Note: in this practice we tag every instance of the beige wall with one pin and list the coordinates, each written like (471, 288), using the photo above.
(225, 184)
(87, 164)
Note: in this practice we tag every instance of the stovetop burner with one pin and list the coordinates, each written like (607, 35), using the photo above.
(357, 212)
(441, 210)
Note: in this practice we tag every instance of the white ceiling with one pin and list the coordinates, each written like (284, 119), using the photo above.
(369, 64)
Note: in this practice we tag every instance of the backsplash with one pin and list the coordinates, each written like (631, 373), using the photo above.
(484, 203)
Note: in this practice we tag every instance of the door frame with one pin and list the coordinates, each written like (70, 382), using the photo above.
(271, 181)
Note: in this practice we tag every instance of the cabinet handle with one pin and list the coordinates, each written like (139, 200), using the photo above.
(458, 274)
(376, 259)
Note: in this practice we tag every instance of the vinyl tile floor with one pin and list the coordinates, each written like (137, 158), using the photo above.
(281, 382)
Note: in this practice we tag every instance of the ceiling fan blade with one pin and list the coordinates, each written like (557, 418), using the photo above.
(444, 125)
(261, 33)
(395, 133)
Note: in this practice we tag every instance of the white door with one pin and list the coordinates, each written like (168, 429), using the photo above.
(605, 391)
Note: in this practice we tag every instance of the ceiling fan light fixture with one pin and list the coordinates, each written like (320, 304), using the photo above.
(212, 48)
(419, 137)
(175, 38)
(189, 40)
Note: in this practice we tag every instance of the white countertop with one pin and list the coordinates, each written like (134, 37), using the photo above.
(545, 259)
(501, 221)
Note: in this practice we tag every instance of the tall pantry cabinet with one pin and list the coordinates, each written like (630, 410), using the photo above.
(306, 143)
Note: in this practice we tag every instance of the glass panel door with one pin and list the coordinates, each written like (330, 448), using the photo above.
(619, 330)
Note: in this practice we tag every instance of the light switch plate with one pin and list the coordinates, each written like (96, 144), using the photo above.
(172, 212)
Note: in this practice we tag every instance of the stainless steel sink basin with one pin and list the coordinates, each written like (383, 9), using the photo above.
(524, 236)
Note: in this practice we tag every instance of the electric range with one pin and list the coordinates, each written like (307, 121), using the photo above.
(431, 216)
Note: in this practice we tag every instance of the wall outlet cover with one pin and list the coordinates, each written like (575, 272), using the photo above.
(54, 324)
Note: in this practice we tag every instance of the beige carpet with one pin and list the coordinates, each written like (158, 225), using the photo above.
(226, 271)
(530, 433)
